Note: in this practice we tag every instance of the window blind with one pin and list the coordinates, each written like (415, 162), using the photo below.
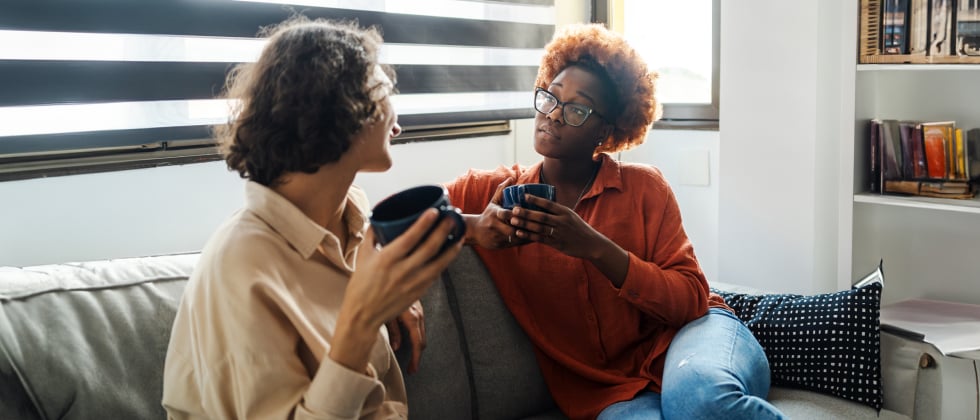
(92, 76)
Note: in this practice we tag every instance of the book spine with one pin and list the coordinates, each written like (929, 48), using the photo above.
(908, 149)
(895, 26)
(959, 156)
(949, 140)
(932, 137)
(972, 152)
(875, 151)
(918, 27)
(919, 169)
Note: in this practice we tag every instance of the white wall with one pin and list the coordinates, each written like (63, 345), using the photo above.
(781, 90)
(116, 214)
(175, 209)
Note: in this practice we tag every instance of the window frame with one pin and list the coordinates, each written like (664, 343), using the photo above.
(679, 115)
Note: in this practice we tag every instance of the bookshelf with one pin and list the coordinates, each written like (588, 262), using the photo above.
(930, 246)
(929, 203)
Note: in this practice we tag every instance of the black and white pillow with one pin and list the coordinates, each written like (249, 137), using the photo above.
(827, 343)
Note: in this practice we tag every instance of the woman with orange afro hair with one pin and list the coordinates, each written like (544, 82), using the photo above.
(604, 280)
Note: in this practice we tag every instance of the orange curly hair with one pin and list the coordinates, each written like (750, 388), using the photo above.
(597, 48)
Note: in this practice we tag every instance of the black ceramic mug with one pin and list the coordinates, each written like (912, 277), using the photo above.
(394, 215)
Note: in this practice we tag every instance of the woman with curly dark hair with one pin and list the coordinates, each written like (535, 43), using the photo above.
(604, 280)
(275, 321)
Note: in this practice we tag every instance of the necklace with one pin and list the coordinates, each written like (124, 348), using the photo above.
(588, 185)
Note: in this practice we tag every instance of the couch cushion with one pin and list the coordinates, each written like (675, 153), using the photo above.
(507, 379)
(441, 388)
(798, 404)
(89, 340)
(827, 343)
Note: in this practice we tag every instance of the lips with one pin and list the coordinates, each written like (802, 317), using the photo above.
(549, 131)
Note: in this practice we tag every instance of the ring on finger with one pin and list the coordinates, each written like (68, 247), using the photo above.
(552, 233)
(510, 240)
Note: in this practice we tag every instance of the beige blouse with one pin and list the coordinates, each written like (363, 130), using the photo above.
(253, 330)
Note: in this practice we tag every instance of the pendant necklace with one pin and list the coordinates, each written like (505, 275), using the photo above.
(585, 189)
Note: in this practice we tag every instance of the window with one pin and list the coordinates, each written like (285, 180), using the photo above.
(92, 85)
(679, 39)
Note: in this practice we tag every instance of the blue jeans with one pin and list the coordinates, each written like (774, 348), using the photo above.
(715, 369)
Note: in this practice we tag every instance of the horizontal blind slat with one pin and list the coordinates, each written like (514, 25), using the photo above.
(112, 139)
(51, 82)
(244, 19)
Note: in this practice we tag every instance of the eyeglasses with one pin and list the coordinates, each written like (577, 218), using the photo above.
(574, 114)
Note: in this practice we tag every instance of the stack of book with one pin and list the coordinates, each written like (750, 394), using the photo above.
(919, 31)
(932, 159)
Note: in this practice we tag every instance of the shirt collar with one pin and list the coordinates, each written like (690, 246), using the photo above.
(609, 176)
(301, 232)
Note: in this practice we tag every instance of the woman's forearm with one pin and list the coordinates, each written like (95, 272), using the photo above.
(612, 260)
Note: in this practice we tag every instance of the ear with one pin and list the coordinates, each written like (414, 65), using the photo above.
(605, 132)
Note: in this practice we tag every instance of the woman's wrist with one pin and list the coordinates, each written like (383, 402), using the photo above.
(471, 221)
(611, 260)
(352, 342)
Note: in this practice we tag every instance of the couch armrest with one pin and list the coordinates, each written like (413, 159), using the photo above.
(920, 382)
(901, 363)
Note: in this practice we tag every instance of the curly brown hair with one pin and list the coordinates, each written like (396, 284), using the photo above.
(302, 101)
(607, 54)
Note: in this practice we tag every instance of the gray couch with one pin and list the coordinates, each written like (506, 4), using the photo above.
(87, 341)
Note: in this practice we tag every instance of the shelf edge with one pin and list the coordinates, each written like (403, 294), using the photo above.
(940, 204)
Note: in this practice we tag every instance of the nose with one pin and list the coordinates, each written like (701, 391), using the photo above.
(396, 130)
(560, 117)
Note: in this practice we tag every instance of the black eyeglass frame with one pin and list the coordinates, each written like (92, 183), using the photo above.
(558, 103)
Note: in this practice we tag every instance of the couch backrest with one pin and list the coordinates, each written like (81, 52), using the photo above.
(471, 333)
(88, 340)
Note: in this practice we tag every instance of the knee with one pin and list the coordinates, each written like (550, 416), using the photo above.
(699, 389)
(710, 391)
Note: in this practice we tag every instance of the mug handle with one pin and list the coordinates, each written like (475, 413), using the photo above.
(460, 231)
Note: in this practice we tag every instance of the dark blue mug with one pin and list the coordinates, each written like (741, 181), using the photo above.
(514, 195)
(394, 215)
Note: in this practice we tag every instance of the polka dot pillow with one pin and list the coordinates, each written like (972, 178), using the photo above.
(826, 343)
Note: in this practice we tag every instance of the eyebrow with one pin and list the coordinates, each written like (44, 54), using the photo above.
(579, 92)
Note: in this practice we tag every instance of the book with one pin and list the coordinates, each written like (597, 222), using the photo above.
(918, 26)
(874, 127)
(919, 169)
(894, 26)
(907, 141)
(968, 28)
(958, 156)
(935, 138)
(938, 189)
(971, 149)
(891, 147)
(940, 27)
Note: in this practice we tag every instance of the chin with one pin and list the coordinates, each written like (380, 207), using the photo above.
(380, 166)
(541, 145)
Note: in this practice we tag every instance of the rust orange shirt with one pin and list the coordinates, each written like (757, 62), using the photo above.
(597, 344)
